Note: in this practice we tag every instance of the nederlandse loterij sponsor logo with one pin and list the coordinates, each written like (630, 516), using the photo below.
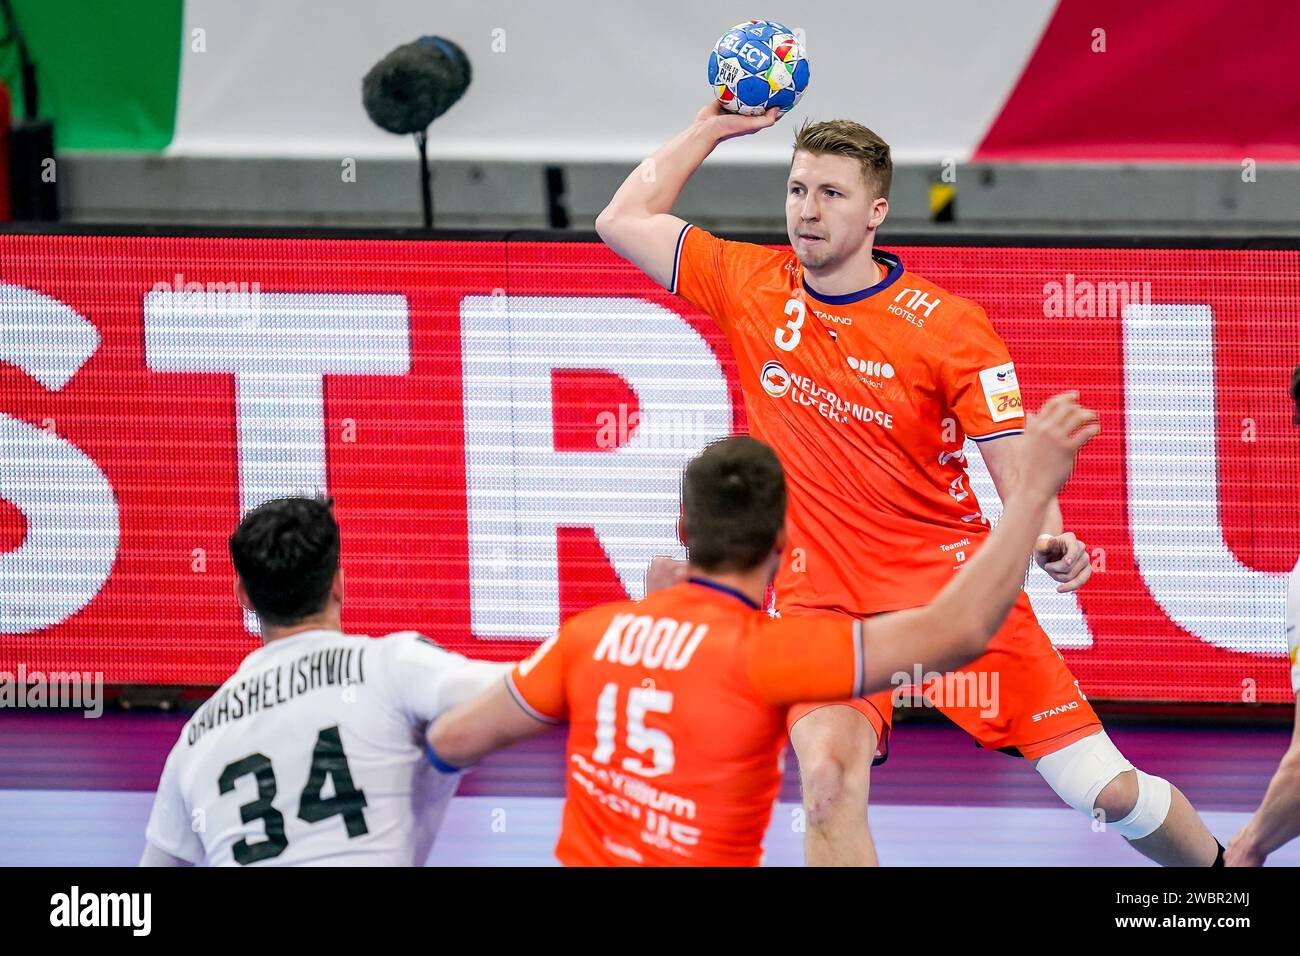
(775, 379)
(803, 390)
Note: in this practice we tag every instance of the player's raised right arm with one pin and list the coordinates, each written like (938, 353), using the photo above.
(956, 627)
(638, 223)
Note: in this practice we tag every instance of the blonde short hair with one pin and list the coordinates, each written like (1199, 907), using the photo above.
(847, 138)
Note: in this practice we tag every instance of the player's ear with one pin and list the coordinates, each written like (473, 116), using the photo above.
(241, 595)
(681, 528)
(778, 546)
(336, 587)
(879, 210)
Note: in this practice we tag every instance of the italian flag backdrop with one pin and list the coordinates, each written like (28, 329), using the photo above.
(1016, 80)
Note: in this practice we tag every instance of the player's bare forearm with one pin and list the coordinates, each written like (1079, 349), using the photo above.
(1061, 554)
(1053, 521)
(1002, 459)
(1277, 821)
(638, 224)
(470, 731)
(652, 188)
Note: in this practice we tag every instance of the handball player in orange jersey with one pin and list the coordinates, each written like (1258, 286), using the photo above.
(867, 379)
(676, 704)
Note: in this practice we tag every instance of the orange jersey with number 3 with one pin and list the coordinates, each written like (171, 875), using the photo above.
(676, 710)
(867, 399)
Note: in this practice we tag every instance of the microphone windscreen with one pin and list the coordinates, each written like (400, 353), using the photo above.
(415, 84)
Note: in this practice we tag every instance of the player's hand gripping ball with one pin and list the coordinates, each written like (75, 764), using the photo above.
(756, 66)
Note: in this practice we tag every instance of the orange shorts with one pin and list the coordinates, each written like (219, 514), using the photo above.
(1020, 697)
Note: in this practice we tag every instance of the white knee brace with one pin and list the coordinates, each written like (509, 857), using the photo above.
(1154, 797)
(1079, 772)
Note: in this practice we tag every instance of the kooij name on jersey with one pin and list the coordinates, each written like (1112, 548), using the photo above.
(638, 639)
(332, 667)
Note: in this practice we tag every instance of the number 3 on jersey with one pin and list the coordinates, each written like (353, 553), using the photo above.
(788, 337)
(640, 738)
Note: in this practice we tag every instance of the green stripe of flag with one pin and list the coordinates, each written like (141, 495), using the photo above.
(108, 72)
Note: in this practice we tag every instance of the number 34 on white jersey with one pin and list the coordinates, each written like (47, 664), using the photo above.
(313, 753)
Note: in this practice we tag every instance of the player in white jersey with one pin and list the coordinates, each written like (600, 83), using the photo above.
(313, 752)
(1277, 821)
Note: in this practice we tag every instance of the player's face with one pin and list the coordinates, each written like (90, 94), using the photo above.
(828, 208)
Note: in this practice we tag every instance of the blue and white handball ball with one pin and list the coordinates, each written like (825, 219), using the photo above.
(758, 65)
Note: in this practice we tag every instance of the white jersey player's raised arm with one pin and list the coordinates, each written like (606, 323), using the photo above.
(312, 752)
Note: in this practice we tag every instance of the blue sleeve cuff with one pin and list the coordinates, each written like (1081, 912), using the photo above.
(438, 763)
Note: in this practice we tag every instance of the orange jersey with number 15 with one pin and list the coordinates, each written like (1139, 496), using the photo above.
(867, 399)
(676, 710)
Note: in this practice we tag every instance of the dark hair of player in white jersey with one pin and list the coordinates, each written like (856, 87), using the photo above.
(733, 505)
(286, 553)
